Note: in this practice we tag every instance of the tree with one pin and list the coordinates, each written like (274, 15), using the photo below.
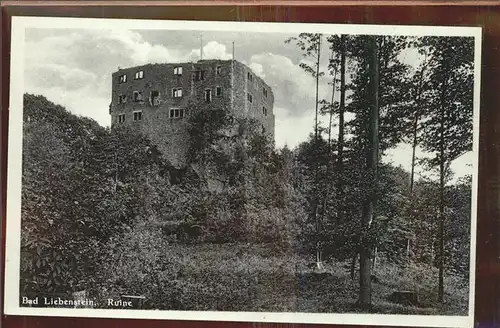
(71, 204)
(391, 100)
(340, 147)
(338, 45)
(448, 129)
(417, 89)
(310, 44)
(371, 166)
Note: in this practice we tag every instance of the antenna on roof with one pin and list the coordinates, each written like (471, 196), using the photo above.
(201, 46)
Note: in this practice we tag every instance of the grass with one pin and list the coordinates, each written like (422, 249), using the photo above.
(242, 277)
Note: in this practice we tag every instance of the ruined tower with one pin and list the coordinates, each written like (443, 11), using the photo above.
(157, 98)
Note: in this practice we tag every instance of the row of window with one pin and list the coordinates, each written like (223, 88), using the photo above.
(250, 79)
(176, 93)
(137, 117)
(138, 96)
(138, 75)
(173, 113)
(250, 100)
(199, 75)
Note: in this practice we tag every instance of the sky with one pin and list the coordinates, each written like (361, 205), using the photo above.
(73, 67)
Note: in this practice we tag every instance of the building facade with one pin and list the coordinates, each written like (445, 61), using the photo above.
(157, 99)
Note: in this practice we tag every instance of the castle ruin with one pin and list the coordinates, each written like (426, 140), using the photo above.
(157, 98)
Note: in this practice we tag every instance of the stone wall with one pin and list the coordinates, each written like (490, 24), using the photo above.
(157, 84)
(261, 107)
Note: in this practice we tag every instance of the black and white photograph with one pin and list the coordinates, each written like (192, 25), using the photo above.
(276, 172)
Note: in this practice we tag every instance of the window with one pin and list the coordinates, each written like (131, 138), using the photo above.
(218, 70)
(218, 91)
(139, 75)
(138, 116)
(138, 96)
(199, 75)
(264, 111)
(122, 99)
(208, 95)
(178, 70)
(249, 98)
(154, 98)
(177, 92)
(121, 118)
(250, 77)
(176, 113)
(264, 91)
(122, 78)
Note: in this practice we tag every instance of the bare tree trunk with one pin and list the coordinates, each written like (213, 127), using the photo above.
(414, 146)
(418, 98)
(334, 83)
(340, 182)
(365, 288)
(328, 169)
(441, 199)
(316, 168)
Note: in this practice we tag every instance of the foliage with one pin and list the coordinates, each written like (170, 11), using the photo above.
(103, 211)
(77, 192)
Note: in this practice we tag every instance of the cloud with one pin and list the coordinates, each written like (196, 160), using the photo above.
(215, 50)
(74, 68)
(293, 88)
(80, 102)
(50, 75)
(212, 50)
(401, 156)
(291, 131)
(258, 70)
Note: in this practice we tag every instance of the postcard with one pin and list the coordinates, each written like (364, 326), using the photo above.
(242, 171)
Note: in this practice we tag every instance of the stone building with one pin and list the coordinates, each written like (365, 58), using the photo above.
(157, 98)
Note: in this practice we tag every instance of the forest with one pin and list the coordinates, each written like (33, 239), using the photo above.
(327, 226)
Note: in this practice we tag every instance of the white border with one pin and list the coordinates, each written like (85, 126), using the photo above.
(12, 264)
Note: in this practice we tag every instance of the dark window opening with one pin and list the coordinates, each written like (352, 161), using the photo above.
(176, 113)
(249, 98)
(264, 111)
(137, 116)
(138, 96)
(155, 98)
(264, 91)
(249, 76)
(177, 93)
(121, 118)
(218, 91)
(199, 75)
(218, 70)
(208, 95)
(122, 99)
(122, 78)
